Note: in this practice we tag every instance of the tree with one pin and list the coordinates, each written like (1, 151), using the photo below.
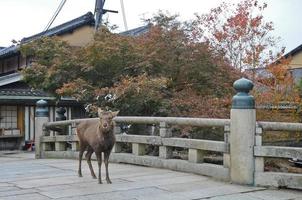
(239, 33)
(54, 63)
(278, 93)
(163, 72)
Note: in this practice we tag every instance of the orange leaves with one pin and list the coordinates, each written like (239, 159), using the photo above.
(256, 21)
(280, 87)
(279, 69)
(78, 88)
(166, 71)
(220, 36)
(238, 32)
(139, 84)
(188, 103)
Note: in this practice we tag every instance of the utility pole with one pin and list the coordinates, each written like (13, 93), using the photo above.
(124, 15)
(99, 11)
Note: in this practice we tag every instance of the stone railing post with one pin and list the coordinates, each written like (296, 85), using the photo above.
(63, 130)
(242, 134)
(74, 144)
(259, 161)
(61, 114)
(42, 116)
(226, 156)
(117, 148)
(164, 132)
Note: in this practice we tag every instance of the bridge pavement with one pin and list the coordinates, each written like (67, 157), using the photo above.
(23, 177)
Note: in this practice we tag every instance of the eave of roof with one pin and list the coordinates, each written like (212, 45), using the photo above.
(294, 51)
(12, 97)
(14, 93)
(9, 51)
(10, 78)
(69, 26)
(136, 31)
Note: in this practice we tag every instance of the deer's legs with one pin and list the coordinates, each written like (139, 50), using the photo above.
(82, 149)
(99, 159)
(88, 158)
(106, 160)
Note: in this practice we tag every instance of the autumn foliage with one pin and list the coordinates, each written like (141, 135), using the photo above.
(175, 69)
(163, 72)
(239, 33)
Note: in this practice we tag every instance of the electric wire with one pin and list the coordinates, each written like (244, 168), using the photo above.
(55, 15)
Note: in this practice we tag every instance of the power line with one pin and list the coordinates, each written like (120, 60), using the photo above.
(55, 15)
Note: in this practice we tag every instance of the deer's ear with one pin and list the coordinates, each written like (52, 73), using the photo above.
(114, 114)
(100, 111)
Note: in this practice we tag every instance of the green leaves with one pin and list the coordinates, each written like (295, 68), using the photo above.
(153, 74)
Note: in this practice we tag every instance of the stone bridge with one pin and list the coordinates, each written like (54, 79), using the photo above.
(48, 174)
(23, 177)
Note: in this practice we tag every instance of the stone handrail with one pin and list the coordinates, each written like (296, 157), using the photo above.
(280, 126)
(261, 152)
(243, 153)
(201, 122)
(49, 125)
(52, 145)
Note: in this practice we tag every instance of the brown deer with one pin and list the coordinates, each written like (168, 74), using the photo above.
(97, 136)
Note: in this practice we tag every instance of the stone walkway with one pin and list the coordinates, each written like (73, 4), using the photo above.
(23, 177)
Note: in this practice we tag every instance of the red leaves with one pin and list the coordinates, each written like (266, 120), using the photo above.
(189, 103)
(256, 21)
(280, 87)
(238, 33)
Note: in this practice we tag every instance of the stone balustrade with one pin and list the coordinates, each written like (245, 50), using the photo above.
(242, 150)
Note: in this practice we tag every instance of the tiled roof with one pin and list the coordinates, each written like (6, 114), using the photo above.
(261, 72)
(136, 31)
(8, 51)
(69, 26)
(10, 78)
(23, 92)
(294, 51)
(28, 96)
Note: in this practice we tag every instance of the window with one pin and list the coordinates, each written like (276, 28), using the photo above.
(297, 74)
(8, 119)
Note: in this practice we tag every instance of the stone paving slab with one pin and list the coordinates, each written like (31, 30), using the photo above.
(277, 194)
(23, 177)
(31, 196)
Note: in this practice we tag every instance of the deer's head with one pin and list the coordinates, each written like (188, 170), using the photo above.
(106, 121)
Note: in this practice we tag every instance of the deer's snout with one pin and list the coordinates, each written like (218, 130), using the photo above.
(105, 125)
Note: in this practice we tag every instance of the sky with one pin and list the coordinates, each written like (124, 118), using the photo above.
(23, 18)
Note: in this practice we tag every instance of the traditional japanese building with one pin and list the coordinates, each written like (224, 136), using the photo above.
(295, 64)
(18, 100)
